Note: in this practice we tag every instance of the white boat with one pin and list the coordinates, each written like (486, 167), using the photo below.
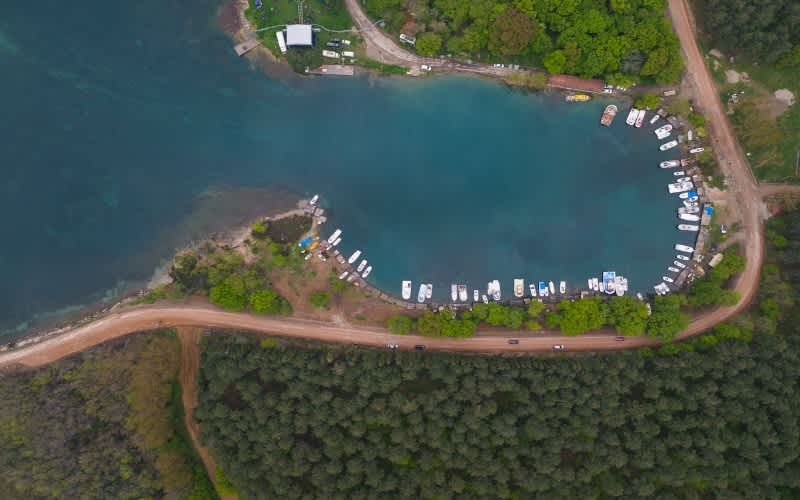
(602, 287)
(679, 264)
(589, 283)
(695, 209)
(640, 296)
(532, 288)
(543, 292)
(366, 272)
(684, 248)
(691, 203)
(669, 163)
(679, 173)
(421, 295)
(475, 296)
(406, 290)
(462, 293)
(454, 292)
(668, 279)
(314, 200)
(664, 131)
(562, 287)
(683, 179)
(519, 288)
(682, 257)
(354, 257)
(697, 150)
(351, 277)
(688, 195)
(595, 284)
(621, 286)
(496, 295)
(429, 291)
(679, 187)
(609, 281)
(689, 217)
(668, 145)
(344, 275)
(673, 269)
(661, 288)
(361, 265)
(640, 118)
(338, 240)
(552, 287)
(655, 118)
(689, 227)
(485, 299)
(632, 115)
(335, 235)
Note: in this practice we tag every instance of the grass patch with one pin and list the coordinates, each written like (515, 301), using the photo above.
(386, 69)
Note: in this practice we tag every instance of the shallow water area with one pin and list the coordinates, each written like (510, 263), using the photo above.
(118, 127)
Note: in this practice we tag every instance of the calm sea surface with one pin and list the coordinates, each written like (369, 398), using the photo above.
(117, 116)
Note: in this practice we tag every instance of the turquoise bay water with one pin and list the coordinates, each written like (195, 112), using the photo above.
(113, 128)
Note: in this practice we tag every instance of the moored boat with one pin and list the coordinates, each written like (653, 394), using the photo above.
(684, 248)
(335, 235)
(496, 295)
(609, 281)
(679, 264)
(664, 131)
(595, 284)
(485, 299)
(682, 257)
(608, 115)
(578, 98)
(679, 187)
(689, 227)
(601, 287)
(640, 118)
(314, 200)
(338, 240)
(668, 145)
(683, 179)
(668, 279)
(551, 287)
(454, 292)
(694, 209)
(589, 282)
(475, 296)
(679, 173)
(519, 288)
(669, 163)
(655, 118)
(361, 265)
(354, 257)
(562, 287)
(673, 269)
(532, 288)
(421, 293)
(428, 291)
(689, 217)
(406, 290)
(632, 115)
(366, 272)
(344, 275)
(462, 293)
(542, 289)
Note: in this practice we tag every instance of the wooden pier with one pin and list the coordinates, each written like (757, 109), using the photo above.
(246, 46)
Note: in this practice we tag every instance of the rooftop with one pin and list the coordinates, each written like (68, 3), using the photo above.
(299, 35)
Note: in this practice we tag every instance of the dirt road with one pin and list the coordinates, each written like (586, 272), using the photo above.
(733, 163)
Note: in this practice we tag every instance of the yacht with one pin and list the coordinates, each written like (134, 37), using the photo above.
(689, 227)
(421, 295)
(335, 235)
(429, 291)
(640, 118)
(562, 287)
(532, 288)
(632, 115)
(552, 287)
(694, 209)
(344, 275)
(462, 293)
(664, 131)
(680, 256)
(689, 217)
(361, 265)
(668, 279)
(406, 290)
(610, 281)
(475, 296)
(354, 257)
(454, 292)
(669, 163)
(691, 204)
(673, 269)
(366, 272)
(519, 288)
(687, 195)
(668, 145)
(608, 115)
(684, 248)
(621, 286)
(543, 289)
(496, 295)
(679, 264)
(679, 187)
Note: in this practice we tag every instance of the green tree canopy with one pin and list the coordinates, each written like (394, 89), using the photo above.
(627, 315)
(400, 324)
(429, 44)
(574, 317)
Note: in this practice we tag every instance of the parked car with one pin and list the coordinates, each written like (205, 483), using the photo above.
(513, 341)
(392, 346)
(419, 347)
(723, 228)
(559, 347)
(425, 67)
(619, 338)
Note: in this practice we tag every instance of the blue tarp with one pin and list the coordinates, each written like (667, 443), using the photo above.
(304, 242)
(709, 210)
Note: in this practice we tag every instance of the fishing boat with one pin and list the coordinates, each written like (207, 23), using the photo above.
(668, 279)
(485, 299)
(421, 294)
(475, 296)
(354, 257)
(679, 173)
(595, 284)
(608, 115)
(640, 118)
(689, 217)
(578, 98)
(673, 269)
(632, 115)
(562, 287)
(406, 290)
(366, 272)
(344, 275)
(669, 163)
(609, 280)
(454, 292)
(679, 264)
(462, 293)
(542, 289)
(532, 288)
(663, 132)
(335, 235)
(682, 257)
(519, 288)
(314, 200)
(551, 287)
(684, 248)
(668, 145)
(361, 265)
(428, 291)
(689, 227)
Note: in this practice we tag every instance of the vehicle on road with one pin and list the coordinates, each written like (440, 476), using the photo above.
(558, 347)
(513, 341)
(619, 338)
(419, 347)
(392, 346)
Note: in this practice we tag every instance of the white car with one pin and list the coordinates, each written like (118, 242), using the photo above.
(425, 67)
(559, 347)
(392, 346)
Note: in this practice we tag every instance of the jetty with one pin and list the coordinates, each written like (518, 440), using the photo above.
(333, 70)
(246, 46)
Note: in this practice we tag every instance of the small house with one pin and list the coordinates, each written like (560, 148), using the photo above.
(299, 35)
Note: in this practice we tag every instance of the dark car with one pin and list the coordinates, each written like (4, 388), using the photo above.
(619, 338)
(513, 341)
(419, 347)
(334, 45)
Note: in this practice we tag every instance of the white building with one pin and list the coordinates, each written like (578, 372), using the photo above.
(299, 35)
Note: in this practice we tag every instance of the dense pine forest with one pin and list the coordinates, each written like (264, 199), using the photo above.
(101, 424)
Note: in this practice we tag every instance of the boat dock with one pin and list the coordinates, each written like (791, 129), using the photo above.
(333, 70)
(246, 46)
